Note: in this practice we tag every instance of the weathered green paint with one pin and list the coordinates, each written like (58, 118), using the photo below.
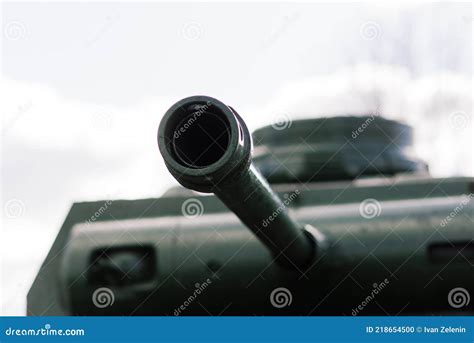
(405, 244)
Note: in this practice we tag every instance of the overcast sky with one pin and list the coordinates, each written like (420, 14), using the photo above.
(84, 87)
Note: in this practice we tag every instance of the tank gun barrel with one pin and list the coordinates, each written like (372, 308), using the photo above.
(207, 147)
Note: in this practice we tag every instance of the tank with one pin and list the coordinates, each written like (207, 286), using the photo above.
(324, 216)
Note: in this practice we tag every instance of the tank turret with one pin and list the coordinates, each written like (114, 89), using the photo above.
(329, 216)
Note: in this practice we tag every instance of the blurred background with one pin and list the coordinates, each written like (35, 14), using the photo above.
(85, 85)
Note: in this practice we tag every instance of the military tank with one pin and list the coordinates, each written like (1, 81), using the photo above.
(325, 216)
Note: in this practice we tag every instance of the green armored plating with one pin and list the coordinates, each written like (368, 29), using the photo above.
(327, 216)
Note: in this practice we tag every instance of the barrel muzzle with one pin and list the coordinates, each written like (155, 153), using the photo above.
(207, 147)
(204, 142)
